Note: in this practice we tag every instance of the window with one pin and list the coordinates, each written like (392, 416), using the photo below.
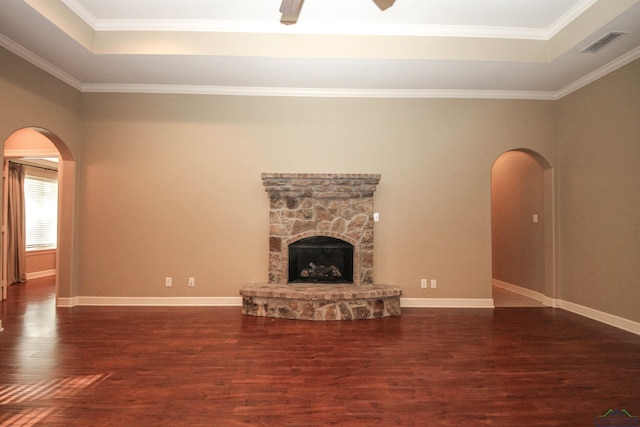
(41, 212)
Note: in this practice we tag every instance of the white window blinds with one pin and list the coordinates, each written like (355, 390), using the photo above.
(41, 212)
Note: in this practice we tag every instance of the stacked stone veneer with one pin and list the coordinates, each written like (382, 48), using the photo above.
(333, 205)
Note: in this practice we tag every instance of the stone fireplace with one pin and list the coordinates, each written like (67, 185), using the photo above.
(321, 250)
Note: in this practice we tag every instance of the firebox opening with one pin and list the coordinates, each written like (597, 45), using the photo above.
(320, 259)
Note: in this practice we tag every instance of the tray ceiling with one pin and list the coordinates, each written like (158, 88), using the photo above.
(417, 48)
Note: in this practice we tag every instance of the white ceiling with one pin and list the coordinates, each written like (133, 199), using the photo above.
(526, 49)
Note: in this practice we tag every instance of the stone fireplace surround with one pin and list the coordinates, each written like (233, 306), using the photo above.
(333, 205)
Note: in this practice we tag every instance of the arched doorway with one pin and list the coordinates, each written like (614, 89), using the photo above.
(24, 142)
(522, 224)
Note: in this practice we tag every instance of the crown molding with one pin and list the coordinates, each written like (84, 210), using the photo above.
(568, 17)
(314, 92)
(350, 29)
(324, 28)
(599, 73)
(34, 59)
(82, 12)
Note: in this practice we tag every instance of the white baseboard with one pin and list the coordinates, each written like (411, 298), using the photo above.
(540, 297)
(65, 302)
(237, 302)
(447, 302)
(39, 274)
(151, 301)
(591, 313)
(551, 302)
(601, 316)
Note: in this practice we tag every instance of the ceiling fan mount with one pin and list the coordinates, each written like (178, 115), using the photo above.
(290, 9)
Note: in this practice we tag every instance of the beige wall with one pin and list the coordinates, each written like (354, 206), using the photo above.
(170, 185)
(518, 245)
(599, 163)
(41, 262)
(30, 97)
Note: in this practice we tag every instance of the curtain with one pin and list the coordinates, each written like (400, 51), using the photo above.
(16, 235)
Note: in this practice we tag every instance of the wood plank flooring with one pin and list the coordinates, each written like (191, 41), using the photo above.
(211, 366)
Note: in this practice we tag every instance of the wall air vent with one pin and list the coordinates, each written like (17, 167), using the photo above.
(602, 42)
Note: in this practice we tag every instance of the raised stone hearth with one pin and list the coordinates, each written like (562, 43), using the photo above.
(335, 206)
(320, 302)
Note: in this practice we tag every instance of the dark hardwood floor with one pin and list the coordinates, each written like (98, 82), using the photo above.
(211, 366)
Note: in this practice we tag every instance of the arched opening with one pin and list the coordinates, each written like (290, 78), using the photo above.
(37, 142)
(522, 224)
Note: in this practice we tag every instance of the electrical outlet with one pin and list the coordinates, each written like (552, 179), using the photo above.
(167, 282)
(423, 283)
(433, 283)
(192, 281)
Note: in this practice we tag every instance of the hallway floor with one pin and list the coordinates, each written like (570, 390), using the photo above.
(505, 298)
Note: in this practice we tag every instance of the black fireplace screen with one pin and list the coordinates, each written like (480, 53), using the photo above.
(320, 259)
